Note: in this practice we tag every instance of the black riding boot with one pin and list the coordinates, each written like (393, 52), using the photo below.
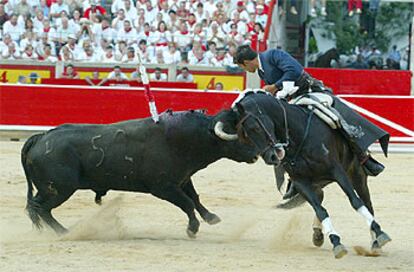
(371, 166)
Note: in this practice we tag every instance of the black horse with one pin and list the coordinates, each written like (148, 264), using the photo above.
(313, 154)
(324, 61)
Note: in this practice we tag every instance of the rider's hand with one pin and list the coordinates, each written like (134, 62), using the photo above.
(271, 89)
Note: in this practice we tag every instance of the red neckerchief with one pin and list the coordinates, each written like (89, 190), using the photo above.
(106, 27)
(219, 58)
(234, 33)
(46, 29)
(184, 32)
(192, 23)
(128, 30)
(29, 54)
(250, 26)
(146, 33)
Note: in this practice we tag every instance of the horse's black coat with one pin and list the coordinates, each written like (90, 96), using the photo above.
(322, 157)
(135, 155)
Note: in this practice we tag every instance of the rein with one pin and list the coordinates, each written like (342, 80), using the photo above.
(293, 160)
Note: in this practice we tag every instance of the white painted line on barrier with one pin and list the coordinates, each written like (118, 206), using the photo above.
(24, 128)
(121, 87)
(375, 96)
(380, 119)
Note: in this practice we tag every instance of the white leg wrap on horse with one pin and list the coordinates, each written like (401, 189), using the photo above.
(316, 223)
(327, 227)
(366, 214)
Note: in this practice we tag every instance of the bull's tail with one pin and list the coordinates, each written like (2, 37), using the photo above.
(32, 206)
(291, 203)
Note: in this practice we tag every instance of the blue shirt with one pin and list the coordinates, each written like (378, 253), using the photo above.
(276, 66)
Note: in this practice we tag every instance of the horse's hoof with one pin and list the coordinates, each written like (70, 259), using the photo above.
(339, 251)
(191, 234)
(375, 248)
(212, 219)
(382, 239)
(317, 237)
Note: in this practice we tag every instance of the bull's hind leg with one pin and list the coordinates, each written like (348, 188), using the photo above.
(311, 196)
(52, 202)
(381, 237)
(176, 196)
(207, 216)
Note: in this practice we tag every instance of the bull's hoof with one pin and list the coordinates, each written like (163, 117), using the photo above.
(382, 239)
(191, 234)
(212, 219)
(317, 237)
(339, 251)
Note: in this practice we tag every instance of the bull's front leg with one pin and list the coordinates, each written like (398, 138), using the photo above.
(207, 216)
(175, 195)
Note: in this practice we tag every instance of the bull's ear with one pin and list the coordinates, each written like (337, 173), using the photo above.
(240, 108)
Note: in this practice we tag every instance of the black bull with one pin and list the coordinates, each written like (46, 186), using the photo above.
(135, 155)
(313, 154)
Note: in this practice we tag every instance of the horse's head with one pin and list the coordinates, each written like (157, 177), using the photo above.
(258, 129)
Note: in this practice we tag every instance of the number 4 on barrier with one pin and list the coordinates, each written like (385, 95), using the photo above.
(211, 84)
(3, 77)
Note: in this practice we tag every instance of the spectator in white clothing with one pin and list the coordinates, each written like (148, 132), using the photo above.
(158, 75)
(116, 75)
(57, 7)
(118, 22)
(131, 12)
(109, 55)
(29, 53)
(261, 17)
(11, 52)
(127, 33)
(12, 28)
(130, 56)
(172, 55)
(185, 76)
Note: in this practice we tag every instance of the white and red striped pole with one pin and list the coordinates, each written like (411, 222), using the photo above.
(148, 94)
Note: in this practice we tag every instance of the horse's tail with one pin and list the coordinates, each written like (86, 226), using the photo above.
(291, 203)
(32, 205)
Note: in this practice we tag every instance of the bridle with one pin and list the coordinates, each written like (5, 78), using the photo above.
(272, 142)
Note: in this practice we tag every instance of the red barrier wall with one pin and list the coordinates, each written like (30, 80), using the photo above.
(378, 82)
(155, 84)
(49, 105)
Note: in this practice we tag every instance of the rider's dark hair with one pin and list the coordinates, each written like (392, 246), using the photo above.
(244, 52)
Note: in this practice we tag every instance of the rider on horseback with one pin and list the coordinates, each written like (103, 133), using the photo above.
(276, 66)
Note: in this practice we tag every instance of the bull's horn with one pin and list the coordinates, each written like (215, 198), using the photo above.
(218, 130)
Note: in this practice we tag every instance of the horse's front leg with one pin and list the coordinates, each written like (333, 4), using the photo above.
(305, 188)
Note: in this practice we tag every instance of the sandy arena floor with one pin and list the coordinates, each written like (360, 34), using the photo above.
(137, 232)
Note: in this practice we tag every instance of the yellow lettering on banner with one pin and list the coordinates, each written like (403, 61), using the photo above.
(102, 75)
(12, 75)
(82, 75)
(230, 82)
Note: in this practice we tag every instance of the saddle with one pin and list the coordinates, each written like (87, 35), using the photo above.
(321, 104)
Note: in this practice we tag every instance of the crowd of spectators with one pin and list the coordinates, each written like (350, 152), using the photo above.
(372, 58)
(186, 32)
